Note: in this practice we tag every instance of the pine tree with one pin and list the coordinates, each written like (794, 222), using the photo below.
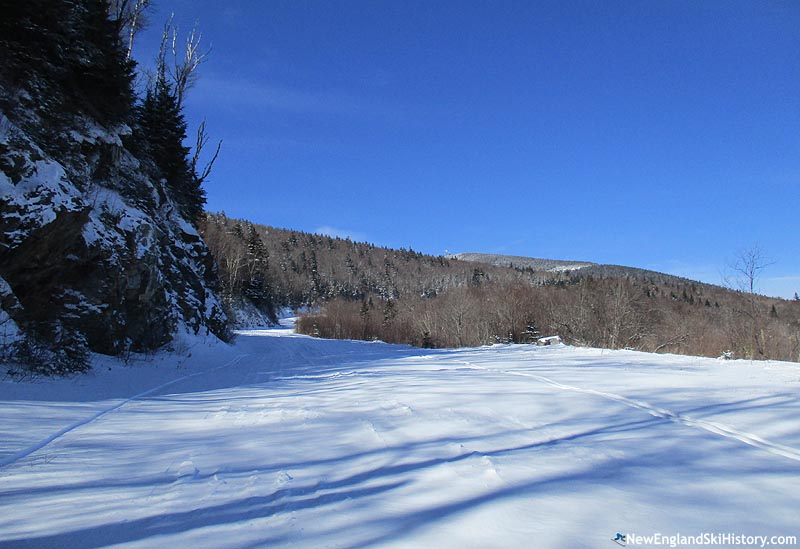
(255, 246)
(106, 80)
(164, 129)
(70, 59)
(318, 288)
(364, 311)
(389, 312)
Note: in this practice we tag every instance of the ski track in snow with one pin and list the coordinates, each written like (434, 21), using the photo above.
(14, 458)
(713, 427)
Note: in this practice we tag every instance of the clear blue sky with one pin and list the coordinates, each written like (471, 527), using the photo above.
(656, 134)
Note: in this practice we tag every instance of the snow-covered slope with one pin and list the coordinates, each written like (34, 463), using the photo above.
(283, 440)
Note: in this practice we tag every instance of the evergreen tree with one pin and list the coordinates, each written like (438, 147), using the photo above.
(389, 312)
(106, 81)
(238, 231)
(69, 57)
(364, 311)
(478, 277)
(256, 249)
(164, 130)
(531, 332)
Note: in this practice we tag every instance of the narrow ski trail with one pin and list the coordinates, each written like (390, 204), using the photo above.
(25, 452)
(713, 427)
(281, 440)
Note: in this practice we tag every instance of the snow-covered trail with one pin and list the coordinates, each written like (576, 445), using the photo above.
(285, 440)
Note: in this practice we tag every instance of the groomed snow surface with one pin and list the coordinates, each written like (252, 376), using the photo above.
(284, 440)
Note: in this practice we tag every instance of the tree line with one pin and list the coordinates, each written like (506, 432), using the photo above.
(361, 291)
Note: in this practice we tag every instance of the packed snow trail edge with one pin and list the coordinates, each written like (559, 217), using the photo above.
(14, 458)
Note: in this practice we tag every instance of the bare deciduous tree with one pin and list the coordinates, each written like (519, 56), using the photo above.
(130, 18)
(183, 65)
(748, 267)
(624, 323)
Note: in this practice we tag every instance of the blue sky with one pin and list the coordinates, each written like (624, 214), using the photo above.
(656, 134)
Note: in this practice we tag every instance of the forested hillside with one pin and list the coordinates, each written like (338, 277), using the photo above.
(99, 196)
(274, 268)
(362, 291)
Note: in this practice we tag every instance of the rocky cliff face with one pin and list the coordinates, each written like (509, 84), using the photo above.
(96, 253)
(93, 253)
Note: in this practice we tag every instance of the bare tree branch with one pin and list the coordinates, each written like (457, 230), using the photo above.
(748, 265)
(130, 19)
(185, 67)
(161, 60)
(200, 143)
(680, 338)
(182, 68)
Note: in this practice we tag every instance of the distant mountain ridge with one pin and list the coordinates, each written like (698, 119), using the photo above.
(576, 269)
(522, 262)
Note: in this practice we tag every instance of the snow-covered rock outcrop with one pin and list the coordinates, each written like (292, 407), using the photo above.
(93, 250)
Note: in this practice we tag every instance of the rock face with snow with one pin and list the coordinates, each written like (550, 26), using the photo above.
(96, 252)
(89, 246)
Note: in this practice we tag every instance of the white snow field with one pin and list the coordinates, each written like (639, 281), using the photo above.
(284, 440)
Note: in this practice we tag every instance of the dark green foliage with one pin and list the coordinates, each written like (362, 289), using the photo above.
(67, 56)
(531, 332)
(50, 349)
(163, 130)
(105, 81)
(389, 311)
